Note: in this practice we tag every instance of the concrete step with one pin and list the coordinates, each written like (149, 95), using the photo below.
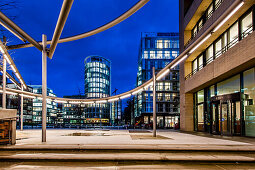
(131, 147)
(89, 156)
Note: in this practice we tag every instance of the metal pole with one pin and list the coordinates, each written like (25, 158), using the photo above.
(21, 109)
(154, 103)
(44, 87)
(4, 84)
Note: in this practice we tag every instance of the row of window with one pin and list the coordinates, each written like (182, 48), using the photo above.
(207, 14)
(97, 95)
(160, 54)
(96, 64)
(98, 70)
(160, 44)
(239, 30)
(97, 80)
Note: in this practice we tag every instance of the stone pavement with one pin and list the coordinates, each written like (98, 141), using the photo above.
(121, 137)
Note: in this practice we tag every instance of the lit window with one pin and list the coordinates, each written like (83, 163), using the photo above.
(174, 54)
(145, 55)
(159, 54)
(246, 25)
(167, 44)
(167, 54)
(159, 43)
(209, 54)
(152, 54)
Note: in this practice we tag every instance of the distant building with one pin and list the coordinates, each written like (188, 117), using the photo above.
(97, 85)
(157, 50)
(116, 113)
(13, 102)
(73, 114)
(37, 107)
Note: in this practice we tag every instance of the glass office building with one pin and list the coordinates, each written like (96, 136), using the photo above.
(157, 50)
(97, 85)
(37, 107)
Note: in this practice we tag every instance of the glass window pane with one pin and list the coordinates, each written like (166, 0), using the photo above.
(218, 47)
(200, 62)
(231, 85)
(209, 54)
(200, 96)
(233, 35)
(246, 25)
(249, 102)
(194, 66)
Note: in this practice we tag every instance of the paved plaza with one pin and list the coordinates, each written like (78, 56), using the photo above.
(125, 137)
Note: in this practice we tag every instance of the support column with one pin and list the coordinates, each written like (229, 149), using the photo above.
(154, 103)
(44, 87)
(21, 109)
(4, 83)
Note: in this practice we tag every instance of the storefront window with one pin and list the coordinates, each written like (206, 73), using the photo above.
(212, 91)
(231, 85)
(200, 96)
(249, 105)
(200, 117)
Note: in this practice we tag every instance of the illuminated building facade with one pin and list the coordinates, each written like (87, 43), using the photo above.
(218, 76)
(97, 85)
(37, 107)
(157, 50)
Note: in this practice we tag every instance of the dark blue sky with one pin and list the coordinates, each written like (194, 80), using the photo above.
(119, 44)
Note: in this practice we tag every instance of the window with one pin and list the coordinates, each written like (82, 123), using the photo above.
(218, 47)
(174, 54)
(231, 85)
(209, 11)
(233, 35)
(160, 96)
(160, 86)
(152, 54)
(249, 102)
(167, 54)
(167, 97)
(246, 25)
(194, 31)
(159, 43)
(209, 54)
(159, 54)
(200, 62)
(194, 66)
(166, 43)
(145, 55)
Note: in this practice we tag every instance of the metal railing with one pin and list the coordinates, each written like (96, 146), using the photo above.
(244, 34)
(206, 18)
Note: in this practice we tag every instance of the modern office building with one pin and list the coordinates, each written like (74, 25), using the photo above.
(97, 85)
(157, 50)
(74, 114)
(37, 107)
(13, 102)
(218, 76)
(116, 116)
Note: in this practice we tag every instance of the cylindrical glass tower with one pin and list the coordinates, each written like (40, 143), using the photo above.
(97, 85)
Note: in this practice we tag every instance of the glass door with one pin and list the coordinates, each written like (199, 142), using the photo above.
(225, 118)
(215, 118)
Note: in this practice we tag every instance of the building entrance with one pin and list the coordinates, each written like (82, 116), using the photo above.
(226, 117)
